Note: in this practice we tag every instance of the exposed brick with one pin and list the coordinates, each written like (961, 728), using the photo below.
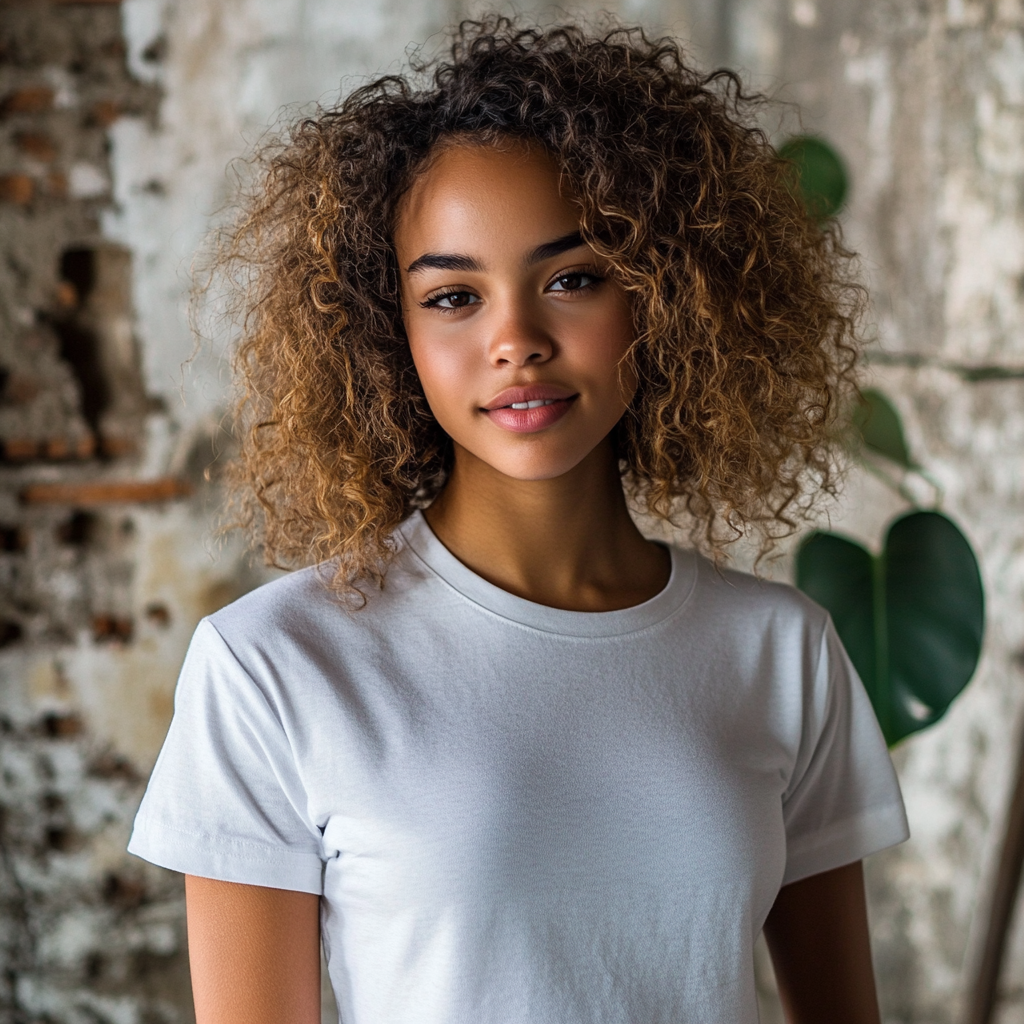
(107, 492)
(61, 448)
(16, 188)
(57, 448)
(118, 447)
(31, 100)
(66, 572)
(36, 145)
(107, 628)
(62, 727)
(66, 295)
(105, 113)
(20, 449)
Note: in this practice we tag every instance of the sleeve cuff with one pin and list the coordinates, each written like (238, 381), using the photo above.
(845, 841)
(227, 860)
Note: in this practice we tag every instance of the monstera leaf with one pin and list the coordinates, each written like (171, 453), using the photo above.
(819, 175)
(880, 429)
(911, 618)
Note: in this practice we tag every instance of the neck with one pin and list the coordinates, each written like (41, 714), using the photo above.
(568, 542)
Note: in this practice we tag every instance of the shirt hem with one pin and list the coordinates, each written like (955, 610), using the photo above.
(205, 857)
(846, 842)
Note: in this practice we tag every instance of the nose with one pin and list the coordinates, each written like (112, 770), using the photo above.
(517, 337)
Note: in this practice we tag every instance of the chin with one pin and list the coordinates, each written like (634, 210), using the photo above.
(531, 467)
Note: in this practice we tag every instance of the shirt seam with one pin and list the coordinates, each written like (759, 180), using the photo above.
(220, 840)
(829, 698)
(671, 613)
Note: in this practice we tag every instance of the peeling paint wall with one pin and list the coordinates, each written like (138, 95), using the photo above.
(102, 582)
(117, 124)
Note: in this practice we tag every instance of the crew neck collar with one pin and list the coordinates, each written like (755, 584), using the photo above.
(424, 543)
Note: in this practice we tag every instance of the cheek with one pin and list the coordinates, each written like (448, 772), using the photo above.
(443, 368)
(598, 347)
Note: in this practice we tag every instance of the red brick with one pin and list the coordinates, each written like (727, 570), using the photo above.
(112, 627)
(66, 295)
(20, 449)
(16, 188)
(118, 447)
(85, 447)
(104, 492)
(105, 113)
(39, 147)
(57, 448)
(62, 727)
(32, 100)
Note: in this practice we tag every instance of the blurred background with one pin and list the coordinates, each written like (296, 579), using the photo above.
(117, 124)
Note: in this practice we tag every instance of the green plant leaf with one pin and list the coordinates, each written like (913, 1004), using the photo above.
(820, 175)
(880, 429)
(911, 618)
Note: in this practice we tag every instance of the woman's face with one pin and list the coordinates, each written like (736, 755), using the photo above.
(516, 327)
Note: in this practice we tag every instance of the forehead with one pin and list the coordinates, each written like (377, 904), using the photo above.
(474, 192)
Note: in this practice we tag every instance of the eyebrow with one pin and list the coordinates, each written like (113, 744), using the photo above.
(457, 261)
(555, 248)
(443, 261)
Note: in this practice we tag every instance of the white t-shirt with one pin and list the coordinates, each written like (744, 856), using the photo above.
(517, 814)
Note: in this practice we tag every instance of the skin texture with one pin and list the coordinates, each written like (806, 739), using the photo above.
(539, 513)
(817, 934)
(254, 953)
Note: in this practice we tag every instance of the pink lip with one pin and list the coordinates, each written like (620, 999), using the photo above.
(526, 421)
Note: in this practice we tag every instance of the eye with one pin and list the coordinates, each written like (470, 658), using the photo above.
(450, 301)
(575, 281)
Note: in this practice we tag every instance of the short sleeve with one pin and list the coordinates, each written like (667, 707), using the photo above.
(843, 801)
(225, 800)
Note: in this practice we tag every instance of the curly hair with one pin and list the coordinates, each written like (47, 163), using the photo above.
(745, 308)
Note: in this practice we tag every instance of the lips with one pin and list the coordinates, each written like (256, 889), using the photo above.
(524, 410)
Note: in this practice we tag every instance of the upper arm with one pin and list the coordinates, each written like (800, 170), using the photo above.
(817, 934)
(254, 953)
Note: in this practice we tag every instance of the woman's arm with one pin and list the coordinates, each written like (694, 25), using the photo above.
(254, 953)
(817, 934)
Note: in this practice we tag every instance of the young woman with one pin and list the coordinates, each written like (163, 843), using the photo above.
(511, 761)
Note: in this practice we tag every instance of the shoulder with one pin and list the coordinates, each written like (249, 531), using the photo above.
(292, 597)
(733, 593)
(301, 608)
(756, 620)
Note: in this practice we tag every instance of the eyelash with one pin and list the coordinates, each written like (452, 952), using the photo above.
(432, 301)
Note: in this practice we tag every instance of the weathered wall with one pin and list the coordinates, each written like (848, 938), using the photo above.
(102, 582)
(926, 102)
(116, 125)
